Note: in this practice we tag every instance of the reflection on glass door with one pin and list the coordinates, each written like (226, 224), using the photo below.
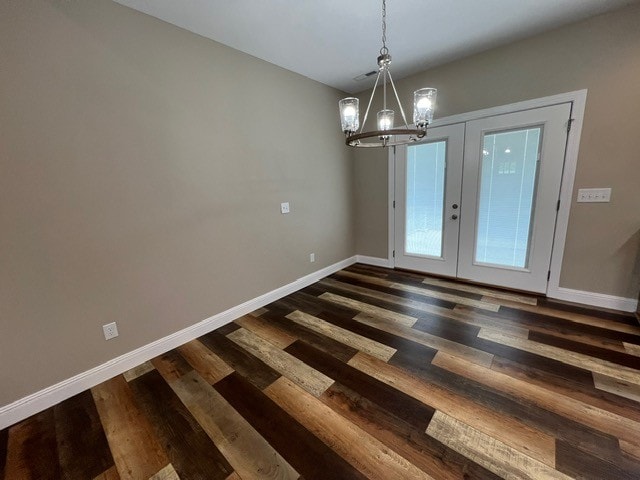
(426, 166)
(508, 172)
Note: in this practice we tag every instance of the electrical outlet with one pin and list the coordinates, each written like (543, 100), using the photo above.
(312, 257)
(110, 330)
(284, 207)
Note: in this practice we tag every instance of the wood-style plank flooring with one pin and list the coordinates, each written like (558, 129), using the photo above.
(369, 373)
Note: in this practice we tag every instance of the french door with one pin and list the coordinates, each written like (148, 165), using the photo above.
(427, 214)
(478, 200)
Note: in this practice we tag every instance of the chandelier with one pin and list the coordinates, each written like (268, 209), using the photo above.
(386, 135)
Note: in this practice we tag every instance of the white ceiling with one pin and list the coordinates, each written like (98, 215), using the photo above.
(333, 41)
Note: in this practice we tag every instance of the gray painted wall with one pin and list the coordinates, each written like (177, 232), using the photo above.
(141, 172)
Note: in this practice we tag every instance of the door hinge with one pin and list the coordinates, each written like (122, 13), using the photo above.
(394, 254)
(558, 206)
(548, 275)
(394, 204)
(569, 123)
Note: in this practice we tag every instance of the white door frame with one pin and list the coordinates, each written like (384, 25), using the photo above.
(578, 99)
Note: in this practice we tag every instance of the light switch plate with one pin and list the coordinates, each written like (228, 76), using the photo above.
(284, 207)
(593, 195)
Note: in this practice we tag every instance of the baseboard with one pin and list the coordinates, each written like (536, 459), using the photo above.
(594, 299)
(374, 261)
(50, 396)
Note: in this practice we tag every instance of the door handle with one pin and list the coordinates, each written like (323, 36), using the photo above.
(454, 206)
(454, 217)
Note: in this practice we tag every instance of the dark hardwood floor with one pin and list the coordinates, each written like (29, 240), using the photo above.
(369, 373)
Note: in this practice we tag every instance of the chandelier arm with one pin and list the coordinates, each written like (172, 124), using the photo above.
(404, 118)
(384, 89)
(366, 113)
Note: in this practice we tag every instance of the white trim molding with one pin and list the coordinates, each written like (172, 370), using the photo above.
(374, 261)
(595, 299)
(575, 96)
(45, 398)
(579, 100)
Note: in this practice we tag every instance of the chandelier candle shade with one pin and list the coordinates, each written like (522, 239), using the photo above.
(424, 101)
(349, 114)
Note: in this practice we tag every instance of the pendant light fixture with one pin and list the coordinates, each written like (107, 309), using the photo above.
(386, 134)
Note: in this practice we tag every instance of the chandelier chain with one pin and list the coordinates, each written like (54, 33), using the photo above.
(384, 50)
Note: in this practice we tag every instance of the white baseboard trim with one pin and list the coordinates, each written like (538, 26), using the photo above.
(374, 261)
(50, 396)
(594, 299)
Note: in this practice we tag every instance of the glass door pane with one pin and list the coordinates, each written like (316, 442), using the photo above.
(425, 185)
(508, 174)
